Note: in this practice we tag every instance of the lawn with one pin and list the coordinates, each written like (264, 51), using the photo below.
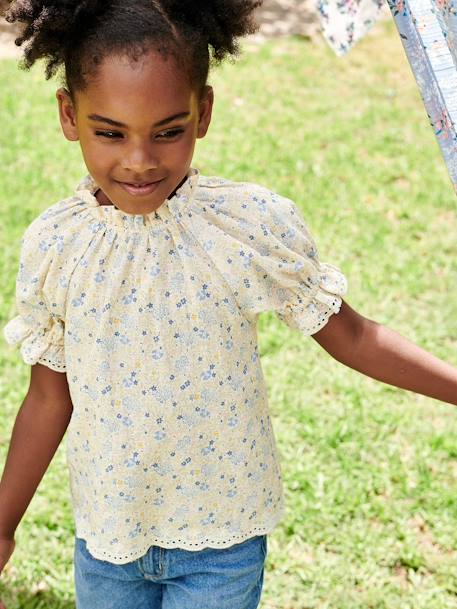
(370, 472)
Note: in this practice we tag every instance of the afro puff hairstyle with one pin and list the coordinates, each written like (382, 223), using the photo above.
(76, 36)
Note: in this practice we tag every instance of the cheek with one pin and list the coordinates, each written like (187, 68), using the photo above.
(94, 152)
(184, 152)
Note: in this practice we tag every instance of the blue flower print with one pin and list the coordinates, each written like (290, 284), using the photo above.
(106, 389)
(203, 412)
(78, 302)
(136, 531)
(236, 457)
(181, 363)
(203, 486)
(202, 333)
(186, 247)
(208, 449)
(183, 442)
(217, 203)
(108, 343)
(132, 461)
(159, 312)
(247, 259)
(261, 204)
(208, 374)
(161, 470)
(131, 297)
(177, 282)
(131, 380)
(127, 421)
(131, 404)
(95, 227)
(90, 391)
(235, 382)
(209, 520)
(44, 246)
(123, 338)
(126, 498)
(154, 271)
(208, 245)
(157, 354)
(63, 282)
(162, 394)
(203, 293)
(60, 244)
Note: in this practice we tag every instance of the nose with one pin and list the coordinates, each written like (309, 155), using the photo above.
(140, 158)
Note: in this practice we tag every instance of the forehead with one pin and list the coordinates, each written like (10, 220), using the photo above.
(134, 90)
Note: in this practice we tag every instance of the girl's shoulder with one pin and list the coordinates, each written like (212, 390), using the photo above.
(249, 200)
(218, 186)
(55, 220)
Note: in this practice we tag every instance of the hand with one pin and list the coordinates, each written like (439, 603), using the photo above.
(7, 546)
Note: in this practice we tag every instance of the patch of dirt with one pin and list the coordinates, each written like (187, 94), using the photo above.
(286, 18)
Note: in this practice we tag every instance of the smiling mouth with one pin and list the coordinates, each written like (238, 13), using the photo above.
(140, 188)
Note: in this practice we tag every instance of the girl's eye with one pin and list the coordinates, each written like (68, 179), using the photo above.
(110, 135)
(170, 134)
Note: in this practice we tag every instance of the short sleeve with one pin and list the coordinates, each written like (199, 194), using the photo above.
(304, 292)
(39, 332)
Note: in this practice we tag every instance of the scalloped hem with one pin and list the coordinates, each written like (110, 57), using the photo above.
(183, 545)
(310, 318)
(56, 366)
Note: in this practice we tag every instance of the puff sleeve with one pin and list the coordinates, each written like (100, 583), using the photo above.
(259, 243)
(37, 329)
(305, 292)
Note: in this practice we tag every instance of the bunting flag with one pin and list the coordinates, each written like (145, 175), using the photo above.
(428, 31)
(344, 22)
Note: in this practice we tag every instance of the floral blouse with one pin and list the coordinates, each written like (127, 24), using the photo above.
(153, 318)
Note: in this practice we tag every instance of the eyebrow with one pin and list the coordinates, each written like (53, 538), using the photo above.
(109, 121)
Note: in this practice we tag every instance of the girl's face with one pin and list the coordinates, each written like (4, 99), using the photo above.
(137, 123)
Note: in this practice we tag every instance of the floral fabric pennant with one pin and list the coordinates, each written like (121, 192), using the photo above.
(428, 31)
(344, 22)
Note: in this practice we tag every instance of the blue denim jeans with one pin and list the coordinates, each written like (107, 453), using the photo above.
(222, 578)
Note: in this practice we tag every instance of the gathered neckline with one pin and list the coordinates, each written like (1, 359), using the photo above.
(171, 207)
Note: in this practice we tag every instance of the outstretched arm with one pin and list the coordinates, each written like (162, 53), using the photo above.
(382, 354)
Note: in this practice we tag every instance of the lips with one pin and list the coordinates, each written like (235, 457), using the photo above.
(138, 189)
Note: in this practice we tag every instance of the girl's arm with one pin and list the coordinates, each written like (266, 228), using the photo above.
(384, 355)
(38, 430)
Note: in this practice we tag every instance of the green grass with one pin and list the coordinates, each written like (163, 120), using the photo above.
(370, 472)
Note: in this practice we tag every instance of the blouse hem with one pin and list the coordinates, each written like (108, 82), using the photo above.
(101, 555)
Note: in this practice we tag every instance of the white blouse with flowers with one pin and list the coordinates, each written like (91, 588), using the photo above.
(153, 319)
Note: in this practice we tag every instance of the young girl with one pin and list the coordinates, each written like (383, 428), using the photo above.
(137, 300)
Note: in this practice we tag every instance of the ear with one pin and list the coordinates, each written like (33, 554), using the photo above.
(206, 111)
(67, 115)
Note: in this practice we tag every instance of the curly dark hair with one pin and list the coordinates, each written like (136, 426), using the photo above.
(78, 35)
